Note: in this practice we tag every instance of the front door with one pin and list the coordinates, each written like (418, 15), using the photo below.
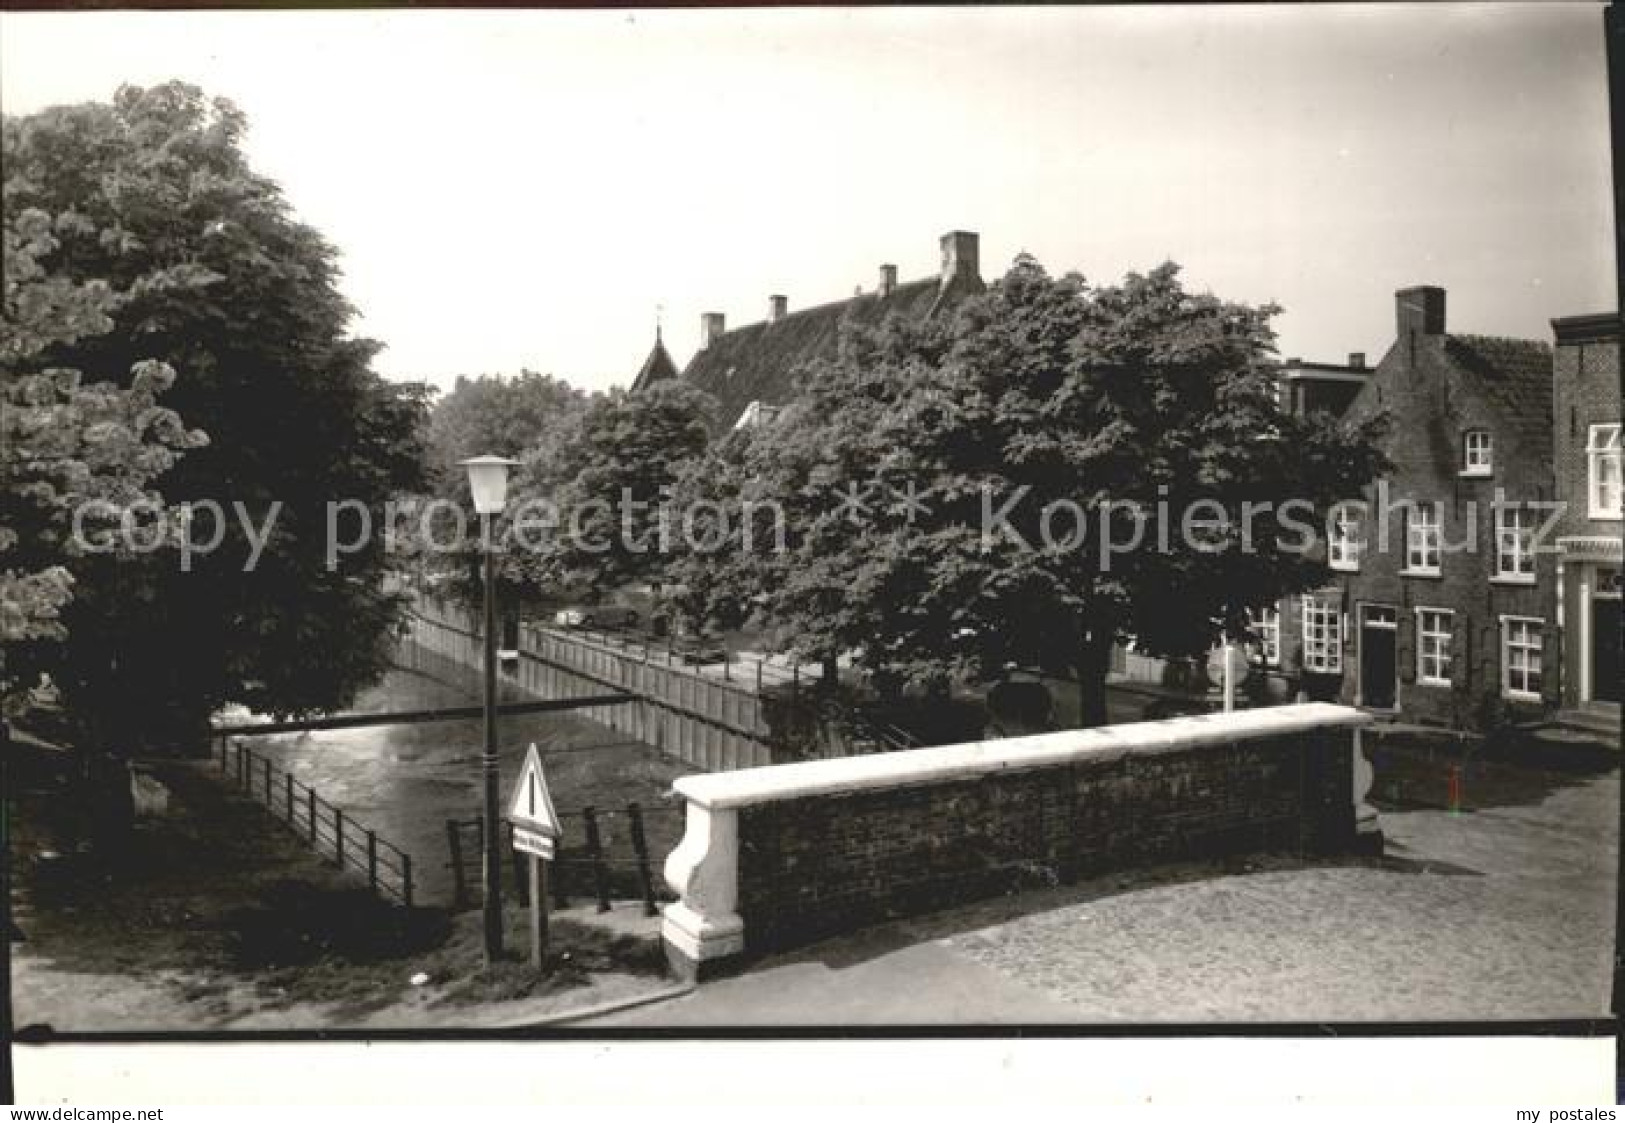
(1379, 664)
(1605, 654)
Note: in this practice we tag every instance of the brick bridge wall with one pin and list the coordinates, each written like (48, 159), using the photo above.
(775, 857)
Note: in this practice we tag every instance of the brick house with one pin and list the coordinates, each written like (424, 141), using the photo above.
(751, 371)
(1442, 611)
(1305, 387)
(1278, 658)
(1586, 457)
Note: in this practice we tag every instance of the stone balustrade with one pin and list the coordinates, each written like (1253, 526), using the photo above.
(783, 855)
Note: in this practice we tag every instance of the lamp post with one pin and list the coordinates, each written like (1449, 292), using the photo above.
(488, 480)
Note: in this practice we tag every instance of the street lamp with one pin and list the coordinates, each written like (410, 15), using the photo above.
(488, 480)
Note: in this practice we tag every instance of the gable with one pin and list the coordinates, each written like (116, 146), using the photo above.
(1457, 382)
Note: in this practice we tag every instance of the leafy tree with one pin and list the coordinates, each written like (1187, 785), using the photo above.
(920, 470)
(67, 447)
(502, 416)
(152, 197)
(530, 417)
(607, 484)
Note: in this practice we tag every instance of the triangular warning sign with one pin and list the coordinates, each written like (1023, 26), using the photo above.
(531, 805)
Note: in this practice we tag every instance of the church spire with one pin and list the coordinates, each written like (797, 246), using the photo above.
(658, 367)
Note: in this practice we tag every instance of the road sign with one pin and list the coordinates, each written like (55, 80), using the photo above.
(532, 842)
(535, 830)
(531, 808)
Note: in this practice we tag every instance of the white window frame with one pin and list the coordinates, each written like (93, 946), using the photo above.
(1515, 527)
(1417, 546)
(1528, 645)
(1267, 623)
(1441, 653)
(1603, 449)
(1322, 636)
(1343, 546)
(1477, 456)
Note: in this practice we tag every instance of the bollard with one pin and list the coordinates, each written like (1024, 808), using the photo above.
(459, 882)
(595, 855)
(640, 846)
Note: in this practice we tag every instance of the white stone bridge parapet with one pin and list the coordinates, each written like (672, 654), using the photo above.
(787, 854)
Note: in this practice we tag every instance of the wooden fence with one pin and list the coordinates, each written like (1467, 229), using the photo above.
(349, 844)
(713, 724)
(605, 854)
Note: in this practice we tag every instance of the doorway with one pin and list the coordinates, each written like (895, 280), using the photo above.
(1605, 642)
(1379, 656)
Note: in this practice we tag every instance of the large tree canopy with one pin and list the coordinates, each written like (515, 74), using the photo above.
(153, 198)
(961, 495)
(605, 486)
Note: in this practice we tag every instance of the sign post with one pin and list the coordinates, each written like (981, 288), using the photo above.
(535, 831)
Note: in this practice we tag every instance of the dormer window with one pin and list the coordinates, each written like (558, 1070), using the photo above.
(1477, 453)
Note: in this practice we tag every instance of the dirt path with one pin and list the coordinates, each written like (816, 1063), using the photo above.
(214, 917)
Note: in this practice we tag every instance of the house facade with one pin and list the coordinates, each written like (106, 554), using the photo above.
(1587, 460)
(1443, 609)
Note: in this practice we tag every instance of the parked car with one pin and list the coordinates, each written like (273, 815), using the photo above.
(597, 616)
(699, 650)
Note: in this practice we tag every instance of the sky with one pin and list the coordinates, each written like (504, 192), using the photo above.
(514, 190)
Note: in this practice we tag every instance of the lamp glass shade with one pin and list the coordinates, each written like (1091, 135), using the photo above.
(488, 480)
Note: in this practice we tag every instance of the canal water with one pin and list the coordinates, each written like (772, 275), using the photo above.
(406, 781)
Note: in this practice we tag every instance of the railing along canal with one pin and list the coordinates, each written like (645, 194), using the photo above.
(342, 839)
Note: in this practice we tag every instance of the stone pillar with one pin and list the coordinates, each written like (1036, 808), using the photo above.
(703, 928)
(1367, 825)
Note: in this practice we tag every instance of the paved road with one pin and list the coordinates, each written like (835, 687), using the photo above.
(1500, 913)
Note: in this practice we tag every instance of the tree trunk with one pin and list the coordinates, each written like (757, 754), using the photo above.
(1094, 660)
(830, 681)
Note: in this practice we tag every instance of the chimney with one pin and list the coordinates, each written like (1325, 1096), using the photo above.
(1419, 311)
(711, 326)
(959, 257)
(776, 306)
(1357, 360)
(888, 279)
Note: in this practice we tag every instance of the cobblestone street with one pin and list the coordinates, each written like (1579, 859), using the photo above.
(1503, 913)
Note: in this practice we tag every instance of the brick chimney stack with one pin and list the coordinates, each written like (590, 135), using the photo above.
(960, 251)
(888, 279)
(711, 326)
(1419, 310)
(776, 307)
(1357, 360)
